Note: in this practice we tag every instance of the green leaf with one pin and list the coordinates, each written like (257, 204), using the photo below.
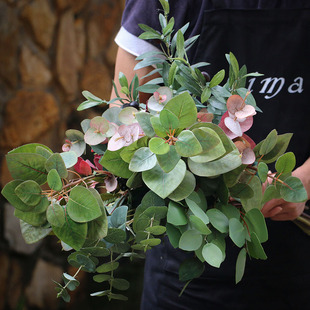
(43, 151)
(156, 230)
(113, 162)
(236, 232)
(212, 254)
(190, 240)
(173, 234)
(286, 163)
(97, 251)
(186, 187)
(33, 234)
(162, 183)
(70, 282)
(128, 151)
(278, 150)
(240, 265)
(256, 223)
(29, 192)
(82, 205)
(142, 160)
(293, 190)
(30, 148)
(187, 144)
(218, 220)
(217, 78)
(159, 146)
(271, 192)
(262, 170)
(26, 166)
(180, 44)
(165, 5)
(269, 143)
(99, 278)
(9, 194)
(211, 143)
(176, 214)
(241, 190)
(168, 161)
(70, 158)
(199, 225)
(144, 120)
(56, 215)
(118, 297)
(255, 248)
(197, 210)
(101, 293)
(54, 180)
(56, 162)
(98, 228)
(205, 95)
(76, 138)
(256, 200)
(183, 106)
(115, 235)
(107, 267)
(34, 219)
(172, 72)
(151, 242)
(120, 284)
(158, 127)
(168, 120)
(225, 164)
(190, 268)
(234, 64)
(72, 233)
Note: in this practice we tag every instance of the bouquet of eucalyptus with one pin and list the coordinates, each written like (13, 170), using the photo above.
(178, 165)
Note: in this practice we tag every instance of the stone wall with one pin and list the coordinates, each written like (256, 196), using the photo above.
(50, 50)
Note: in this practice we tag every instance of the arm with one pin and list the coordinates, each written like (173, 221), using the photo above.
(280, 210)
(125, 63)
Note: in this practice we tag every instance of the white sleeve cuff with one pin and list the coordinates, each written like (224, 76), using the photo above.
(132, 44)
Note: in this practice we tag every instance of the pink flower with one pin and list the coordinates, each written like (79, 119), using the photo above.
(83, 167)
(159, 99)
(67, 146)
(238, 118)
(125, 135)
(110, 183)
(96, 162)
(204, 117)
(245, 146)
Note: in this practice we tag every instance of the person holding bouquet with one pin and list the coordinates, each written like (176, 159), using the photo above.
(270, 37)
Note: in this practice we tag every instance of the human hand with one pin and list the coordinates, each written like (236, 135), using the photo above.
(281, 210)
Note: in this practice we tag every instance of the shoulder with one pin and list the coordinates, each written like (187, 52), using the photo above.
(146, 12)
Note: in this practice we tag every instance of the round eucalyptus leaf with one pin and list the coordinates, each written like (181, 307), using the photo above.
(29, 192)
(293, 190)
(190, 240)
(142, 160)
(218, 219)
(56, 214)
(236, 232)
(107, 267)
(199, 225)
(187, 144)
(82, 205)
(54, 180)
(190, 268)
(262, 170)
(240, 265)
(99, 278)
(159, 146)
(176, 214)
(156, 230)
(212, 254)
(286, 163)
(120, 284)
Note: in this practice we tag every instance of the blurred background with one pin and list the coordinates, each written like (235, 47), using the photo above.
(50, 51)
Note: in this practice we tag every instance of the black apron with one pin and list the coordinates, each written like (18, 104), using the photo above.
(276, 43)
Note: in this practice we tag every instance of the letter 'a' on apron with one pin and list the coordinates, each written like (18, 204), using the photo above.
(275, 42)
